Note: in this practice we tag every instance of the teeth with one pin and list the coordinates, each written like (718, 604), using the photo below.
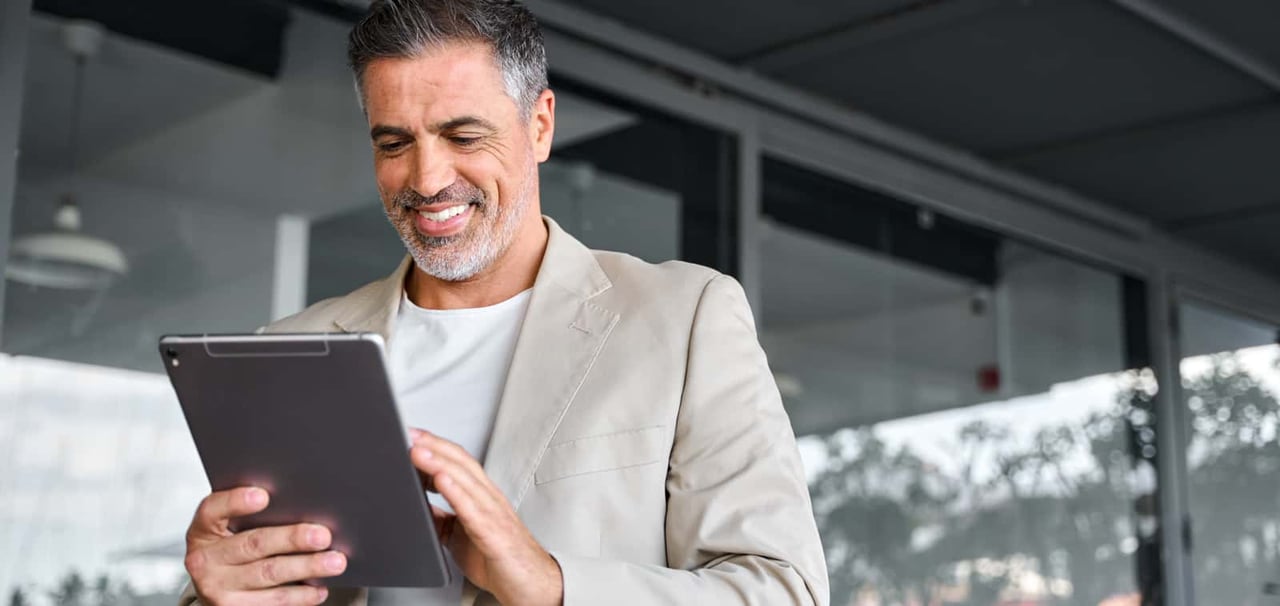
(445, 214)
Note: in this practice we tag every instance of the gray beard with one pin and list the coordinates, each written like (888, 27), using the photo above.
(463, 256)
(433, 257)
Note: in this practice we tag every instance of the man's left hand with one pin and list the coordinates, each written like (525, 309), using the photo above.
(492, 546)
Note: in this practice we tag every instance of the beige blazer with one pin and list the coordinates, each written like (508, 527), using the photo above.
(640, 436)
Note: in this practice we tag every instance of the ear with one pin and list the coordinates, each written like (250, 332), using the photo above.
(542, 125)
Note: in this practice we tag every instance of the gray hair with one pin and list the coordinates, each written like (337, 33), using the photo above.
(398, 29)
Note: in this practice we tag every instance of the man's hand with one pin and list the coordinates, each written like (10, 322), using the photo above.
(488, 540)
(259, 566)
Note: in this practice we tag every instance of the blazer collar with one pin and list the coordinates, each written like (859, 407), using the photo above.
(373, 307)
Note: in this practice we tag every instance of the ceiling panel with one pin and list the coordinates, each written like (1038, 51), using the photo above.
(1178, 172)
(732, 29)
(1026, 73)
(1249, 239)
(1250, 25)
(131, 89)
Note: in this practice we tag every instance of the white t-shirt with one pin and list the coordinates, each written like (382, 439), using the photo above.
(448, 368)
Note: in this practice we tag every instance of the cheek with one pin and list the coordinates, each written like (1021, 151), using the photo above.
(390, 176)
(513, 179)
(483, 172)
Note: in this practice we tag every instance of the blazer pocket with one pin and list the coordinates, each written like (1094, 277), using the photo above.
(604, 452)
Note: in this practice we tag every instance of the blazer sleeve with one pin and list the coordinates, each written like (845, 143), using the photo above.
(740, 527)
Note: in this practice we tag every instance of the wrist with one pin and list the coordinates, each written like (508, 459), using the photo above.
(555, 583)
(546, 587)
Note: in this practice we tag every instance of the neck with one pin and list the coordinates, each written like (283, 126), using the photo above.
(509, 275)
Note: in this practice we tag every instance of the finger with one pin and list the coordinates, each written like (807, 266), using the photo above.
(216, 510)
(433, 457)
(283, 570)
(471, 504)
(444, 523)
(425, 480)
(472, 495)
(262, 543)
(451, 451)
(294, 595)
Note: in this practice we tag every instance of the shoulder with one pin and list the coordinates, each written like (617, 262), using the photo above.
(320, 316)
(671, 288)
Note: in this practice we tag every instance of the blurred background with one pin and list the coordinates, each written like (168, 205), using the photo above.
(1013, 262)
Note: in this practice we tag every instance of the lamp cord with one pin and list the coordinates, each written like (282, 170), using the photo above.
(73, 138)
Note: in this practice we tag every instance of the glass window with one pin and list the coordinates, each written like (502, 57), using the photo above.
(1230, 383)
(974, 413)
(188, 166)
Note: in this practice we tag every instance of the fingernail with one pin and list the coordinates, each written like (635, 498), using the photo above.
(324, 593)
(256, 497)
(415, 433)
(316, 538)
(424, 453)
(334, 562)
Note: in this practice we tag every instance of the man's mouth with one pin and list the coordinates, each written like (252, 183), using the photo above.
(445, 214)
(443, 221)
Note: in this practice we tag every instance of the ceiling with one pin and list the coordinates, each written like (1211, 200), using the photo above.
(1082, 93)
(1144, 114)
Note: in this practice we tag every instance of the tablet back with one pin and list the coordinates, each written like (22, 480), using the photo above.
(312, 419)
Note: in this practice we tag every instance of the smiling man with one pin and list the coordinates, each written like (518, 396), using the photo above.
(599, 430)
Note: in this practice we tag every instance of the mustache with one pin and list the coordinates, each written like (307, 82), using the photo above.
(459, 191)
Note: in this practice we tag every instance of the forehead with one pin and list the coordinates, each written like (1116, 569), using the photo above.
(452, 78)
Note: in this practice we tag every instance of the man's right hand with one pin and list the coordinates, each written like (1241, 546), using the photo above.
(260, 566)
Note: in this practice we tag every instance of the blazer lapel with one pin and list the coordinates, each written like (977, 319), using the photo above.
(373, 307)
(563, 332)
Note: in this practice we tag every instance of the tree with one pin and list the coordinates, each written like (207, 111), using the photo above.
(1061, 509)
(70, 591)
(1068, 507)
(1233, 458)
(105, 593)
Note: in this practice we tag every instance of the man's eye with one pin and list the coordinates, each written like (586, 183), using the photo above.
(391, 147)
(464, 141)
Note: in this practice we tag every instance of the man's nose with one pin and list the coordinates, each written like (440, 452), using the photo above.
(432, 172)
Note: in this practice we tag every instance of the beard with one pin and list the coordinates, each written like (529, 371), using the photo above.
(488, 234)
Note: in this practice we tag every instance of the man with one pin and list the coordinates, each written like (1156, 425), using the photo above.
(634, 446)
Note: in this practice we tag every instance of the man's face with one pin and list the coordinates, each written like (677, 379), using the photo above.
(456, 164)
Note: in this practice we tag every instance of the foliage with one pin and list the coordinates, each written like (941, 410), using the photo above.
(1075, 507)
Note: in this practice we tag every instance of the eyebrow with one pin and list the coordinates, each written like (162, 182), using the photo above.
(464, 121)
(381, 130)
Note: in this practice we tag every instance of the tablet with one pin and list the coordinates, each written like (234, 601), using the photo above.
(312, 419)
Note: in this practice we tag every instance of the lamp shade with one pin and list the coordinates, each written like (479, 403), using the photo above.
(65, 258)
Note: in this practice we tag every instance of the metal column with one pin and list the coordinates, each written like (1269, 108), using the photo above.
(13, 63)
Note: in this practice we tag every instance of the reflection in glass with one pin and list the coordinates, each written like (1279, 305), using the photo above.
(92, 488)
(975, 415)
(1230, 381)
(1021, 501)
(187, 165)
